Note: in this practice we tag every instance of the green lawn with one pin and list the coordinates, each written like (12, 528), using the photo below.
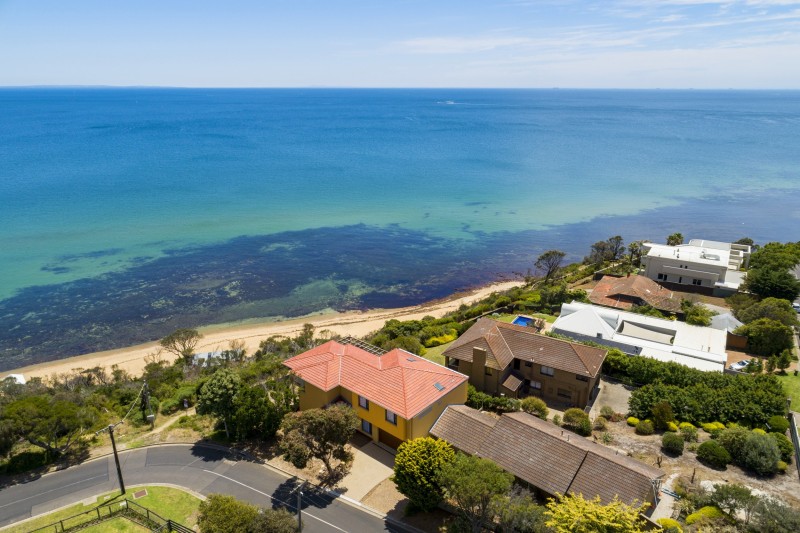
(435, 354)
(164, 501)
(510, 318)
(116, 525)
(791, 384)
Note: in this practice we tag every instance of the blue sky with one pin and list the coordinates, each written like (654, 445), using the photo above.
(402, 43)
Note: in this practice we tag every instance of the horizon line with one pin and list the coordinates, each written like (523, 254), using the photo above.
(348, 87)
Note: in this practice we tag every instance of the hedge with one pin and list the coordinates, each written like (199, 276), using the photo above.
(696, 396)
(670, 525)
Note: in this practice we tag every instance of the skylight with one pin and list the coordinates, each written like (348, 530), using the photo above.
(438, 386)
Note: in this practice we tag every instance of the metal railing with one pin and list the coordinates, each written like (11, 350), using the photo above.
(795, 441)
(125, 508)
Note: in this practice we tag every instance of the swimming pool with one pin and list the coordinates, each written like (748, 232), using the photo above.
(523, 321)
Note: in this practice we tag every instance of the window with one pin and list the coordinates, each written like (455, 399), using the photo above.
(528, 364)
(516, 364)
(697, 282)
(363, 403)
(487, 371)
(366, 427)
(536, 385)
(581, 378)
(662, 277)
(564, 393)
(391, 417)
(547, 370)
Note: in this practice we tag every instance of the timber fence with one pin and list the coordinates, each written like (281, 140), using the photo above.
(123, 509)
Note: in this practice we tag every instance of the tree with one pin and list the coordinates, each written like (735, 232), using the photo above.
(662, 415)
(182, 342)
(675, 239)
(225, 514)
(616, 247)
(776, 256)
(416, 470)
(519, 513)
(318, 433)
(217, 396)
(49, 423)
(784, 360)
(733, 498)
(776, 283)
(549, 262)
(598, 253)
(696, 314)
(471, 484)
(772, 308)
(635, 250)
(774, 516)
(766, 336)
(575, 514)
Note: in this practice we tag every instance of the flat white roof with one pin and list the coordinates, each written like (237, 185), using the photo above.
(668, 340)
(691, 254)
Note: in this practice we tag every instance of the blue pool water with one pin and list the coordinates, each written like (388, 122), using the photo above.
(523, 321)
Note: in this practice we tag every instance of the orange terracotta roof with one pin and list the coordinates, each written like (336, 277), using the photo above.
(622, 293)
(399, 381)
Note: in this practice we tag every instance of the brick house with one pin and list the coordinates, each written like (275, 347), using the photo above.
(515, 361)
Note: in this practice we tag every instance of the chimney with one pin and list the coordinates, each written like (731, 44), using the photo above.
(478, 368)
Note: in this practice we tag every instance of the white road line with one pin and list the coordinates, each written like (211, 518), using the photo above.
(305, 513)
(53, 490)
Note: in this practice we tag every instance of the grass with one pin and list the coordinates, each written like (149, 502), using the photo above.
(435, 354)
(165, 501)
(116, 525)
(510, 318)
(791, 384)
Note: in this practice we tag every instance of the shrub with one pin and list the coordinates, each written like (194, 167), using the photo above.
(607, 412)
(760, 454)
(784, 445)
(689, 433)
(645, 427)
(778, 424)
(733, 440)
(606, 438)
(686, 425)
(759, 431)
(670, 525)
(712, 454)
(708, 512)
(584, 427)
(633, 421)
(600, 423)
(662, 415)
(535, 406)
(781, 467)
(713, 428)
(557, 420)
(578, 421)
(672, 426)
(672, 443)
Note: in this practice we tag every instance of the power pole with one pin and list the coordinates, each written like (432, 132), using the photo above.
(110, 430)
(299, 492)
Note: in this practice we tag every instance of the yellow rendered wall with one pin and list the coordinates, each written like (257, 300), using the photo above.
(376, 415)
(421, 424)
(313, 398)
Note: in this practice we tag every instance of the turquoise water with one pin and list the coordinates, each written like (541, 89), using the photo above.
(112, 191)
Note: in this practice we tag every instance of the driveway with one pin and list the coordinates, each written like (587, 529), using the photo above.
(200, 468)
(615, 395)
(371, 465)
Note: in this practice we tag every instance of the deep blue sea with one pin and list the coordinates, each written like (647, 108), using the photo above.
(126, 213)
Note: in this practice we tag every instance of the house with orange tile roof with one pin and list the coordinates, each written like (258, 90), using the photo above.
(625, 292)
(397, 395)
(516, 361)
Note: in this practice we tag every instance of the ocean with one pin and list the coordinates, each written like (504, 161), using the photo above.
(127, 213)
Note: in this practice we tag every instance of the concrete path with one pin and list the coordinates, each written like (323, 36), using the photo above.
(371, 465)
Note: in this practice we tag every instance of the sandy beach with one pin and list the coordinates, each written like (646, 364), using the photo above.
(355, 323)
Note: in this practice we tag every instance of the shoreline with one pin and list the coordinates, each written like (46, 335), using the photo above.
(355, 323)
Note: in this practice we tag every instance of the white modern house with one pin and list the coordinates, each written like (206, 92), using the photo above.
(18, 378)
(711, 264)
(666, 340)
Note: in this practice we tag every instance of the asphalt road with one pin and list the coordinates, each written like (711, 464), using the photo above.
(200, 468)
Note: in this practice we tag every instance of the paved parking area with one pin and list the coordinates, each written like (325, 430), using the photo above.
(371, 465)
(615, 395)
